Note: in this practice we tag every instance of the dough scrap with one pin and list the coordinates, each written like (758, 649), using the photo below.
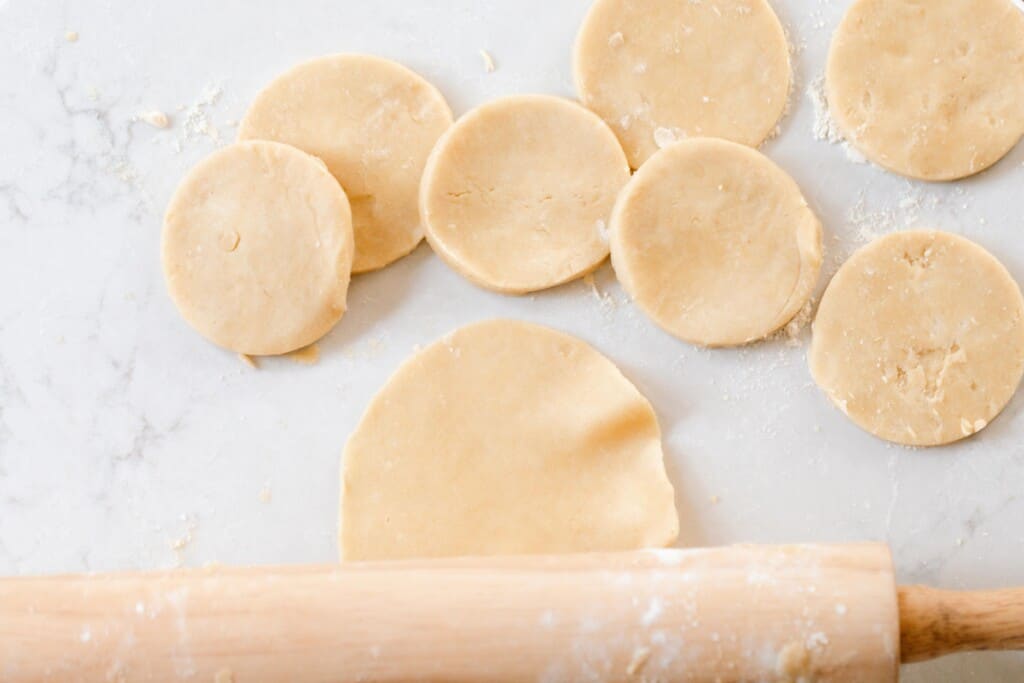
(715, 243)
(516, 195)
(505, 438)
(373, 122)
(919, 338)
(931, 90)
(257, 248)
(659, 71)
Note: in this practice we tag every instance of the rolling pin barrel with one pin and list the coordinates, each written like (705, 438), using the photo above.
(823, 613)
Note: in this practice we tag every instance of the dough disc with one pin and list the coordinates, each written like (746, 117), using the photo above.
(715, 243)
(661, 70)
(516, 195)
(505, 438)
(919, 338)
(932, 90)
(373, 122)
(257, 248)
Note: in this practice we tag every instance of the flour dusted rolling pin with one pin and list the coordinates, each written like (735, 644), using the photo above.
(795, 613)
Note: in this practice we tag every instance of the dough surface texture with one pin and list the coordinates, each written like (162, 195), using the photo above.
(516, 196)
(257, 248)
(715, 243)
(931, 90)
(662, 70)
(373, 122)
(505, 438)
(919, 338)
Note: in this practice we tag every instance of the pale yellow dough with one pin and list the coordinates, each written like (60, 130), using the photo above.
(919, 338)
(516, 195)
(505, 438)
(257, 248)
(662, 70)
(932, 90)
(715, 243)
(373, 122)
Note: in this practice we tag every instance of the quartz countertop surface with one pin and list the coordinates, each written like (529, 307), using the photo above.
(127, 441)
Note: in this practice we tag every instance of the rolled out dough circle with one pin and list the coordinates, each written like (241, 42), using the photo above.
(715, 243)
(373, 122)
(505, 438)
(661, 70)
(931, 90)
(516, 195)
(919, 338)
(257, 248)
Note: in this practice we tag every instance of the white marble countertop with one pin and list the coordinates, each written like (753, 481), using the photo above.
(126, 441)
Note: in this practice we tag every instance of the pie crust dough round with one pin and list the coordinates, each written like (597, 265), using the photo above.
(257, 248)
(373, 122)
(919, 338)
(715, 243)
(517, 193)
(505, 438)
(931, 90)
(661, 70)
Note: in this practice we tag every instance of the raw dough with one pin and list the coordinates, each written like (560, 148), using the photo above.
(715, 242)
(919, 338)
(373, 122)
(516, 195)
(505, 438)
(661, 70)
(257, 248)
(932, 90)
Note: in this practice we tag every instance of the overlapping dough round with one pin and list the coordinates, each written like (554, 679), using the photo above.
(932, 90)
(919, 338)
(505, 438)
(715, 243)
(661, 70)
(516, 195)
(257, 248)
(373, 122)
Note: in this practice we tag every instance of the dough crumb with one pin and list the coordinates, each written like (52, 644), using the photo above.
(71, 36)
(794, 661)
(155, 118)
(489, 65)
(266, 495)
(307, 356)
(715, 500)
(249, 360)
(224, 676)
(640, 657)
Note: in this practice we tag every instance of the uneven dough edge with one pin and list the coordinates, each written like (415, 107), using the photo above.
(360, 264)
(317, 329)
(662, 535)
(809, 244)
(450, 257)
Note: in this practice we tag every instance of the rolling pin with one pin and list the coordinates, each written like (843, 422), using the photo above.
(746, 613)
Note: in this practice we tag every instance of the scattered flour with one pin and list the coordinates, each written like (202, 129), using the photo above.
(825, 127)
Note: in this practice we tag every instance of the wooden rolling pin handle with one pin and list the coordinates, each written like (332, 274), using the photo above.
(934, 623)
